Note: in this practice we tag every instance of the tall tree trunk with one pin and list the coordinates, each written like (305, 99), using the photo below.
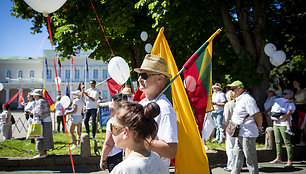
(247, 41)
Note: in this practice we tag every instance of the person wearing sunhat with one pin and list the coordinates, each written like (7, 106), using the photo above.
(76, 117)
(248, 116)
(218, 100)
(152, 78)
(268, 105)
(127, 91)
(42, 112)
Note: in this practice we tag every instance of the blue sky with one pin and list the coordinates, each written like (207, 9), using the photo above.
(15, 35)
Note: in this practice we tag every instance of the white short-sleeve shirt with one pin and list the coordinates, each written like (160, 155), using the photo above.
(79, 103)
(58, 108)
(141, 165)
(30, 106)
(94, 93)
(218, 97)
(167, 126)
(246, 104)
(285, 106)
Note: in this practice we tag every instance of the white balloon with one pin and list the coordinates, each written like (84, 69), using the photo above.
(59, 80)
(1, 86)
(65, 101)
(279, 57)
(45, 6)
(144, 35)
(270, 49)
(273, 62)
(148, 48)
(119, 70)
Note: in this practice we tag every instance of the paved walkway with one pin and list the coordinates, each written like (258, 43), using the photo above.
(299, 168)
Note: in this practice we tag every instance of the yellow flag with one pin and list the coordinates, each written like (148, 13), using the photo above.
(191, 156)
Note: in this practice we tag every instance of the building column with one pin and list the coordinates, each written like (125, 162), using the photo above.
(7, 92)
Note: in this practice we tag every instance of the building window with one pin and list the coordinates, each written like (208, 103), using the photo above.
(95, 74)
(49, 74)
(86, 74)
(67, 74)
(105, 74)
(59, 73)
(8, 74)
(32, 74)
(20, 74)
(77, 74)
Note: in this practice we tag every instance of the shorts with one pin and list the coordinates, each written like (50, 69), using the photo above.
(76, 119)
(277, 114)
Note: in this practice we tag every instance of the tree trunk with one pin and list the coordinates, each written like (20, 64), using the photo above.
(249, 44)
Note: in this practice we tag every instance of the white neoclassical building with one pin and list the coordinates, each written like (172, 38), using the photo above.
(29, 73)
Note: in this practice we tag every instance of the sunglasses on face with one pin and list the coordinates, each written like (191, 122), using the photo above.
(115, 129)
(234, 88)
(145, 76)
(285, 93)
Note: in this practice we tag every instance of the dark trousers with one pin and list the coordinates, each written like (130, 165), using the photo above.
(60, 120)
(91, 113)
(112, 161)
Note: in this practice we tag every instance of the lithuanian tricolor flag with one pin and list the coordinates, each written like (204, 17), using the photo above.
(191, 156)
(198, 80)
(49, 99)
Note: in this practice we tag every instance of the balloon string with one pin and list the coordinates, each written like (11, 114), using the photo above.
(59, 92)
(102, 28)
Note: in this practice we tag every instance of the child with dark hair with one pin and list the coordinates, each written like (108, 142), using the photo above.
(5, 122)
(134, 126)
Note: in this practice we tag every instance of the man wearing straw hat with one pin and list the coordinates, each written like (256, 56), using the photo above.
(153, 77)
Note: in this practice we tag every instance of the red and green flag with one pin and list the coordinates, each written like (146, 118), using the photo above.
(198, 80)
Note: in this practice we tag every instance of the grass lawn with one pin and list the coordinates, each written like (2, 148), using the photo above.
(24, 148)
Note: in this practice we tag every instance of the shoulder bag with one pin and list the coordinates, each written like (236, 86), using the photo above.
(233, 129)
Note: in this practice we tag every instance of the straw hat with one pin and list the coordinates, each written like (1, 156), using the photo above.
(38, 92)
(126, 91)
(77, 92)
(154, 63)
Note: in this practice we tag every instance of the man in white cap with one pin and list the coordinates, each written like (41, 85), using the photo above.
(219, 100)
(153, 77)
(247, 115)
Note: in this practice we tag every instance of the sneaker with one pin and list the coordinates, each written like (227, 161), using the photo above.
(40, 156)
(214, 140)
(227, 169)
(74, 146)
(288, 131)
(276, 161)
(220, 141)
(206, 148)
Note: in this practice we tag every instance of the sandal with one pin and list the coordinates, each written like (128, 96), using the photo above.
(276, 161)
(288, 166)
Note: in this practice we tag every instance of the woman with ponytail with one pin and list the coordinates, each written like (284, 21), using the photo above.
(133, 127)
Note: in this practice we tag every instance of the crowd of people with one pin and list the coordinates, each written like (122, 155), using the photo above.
(283, 110)
(142, 137)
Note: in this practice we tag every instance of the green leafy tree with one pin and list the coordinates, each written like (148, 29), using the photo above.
(238, 51)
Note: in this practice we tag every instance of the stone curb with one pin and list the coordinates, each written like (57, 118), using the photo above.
(215, 157)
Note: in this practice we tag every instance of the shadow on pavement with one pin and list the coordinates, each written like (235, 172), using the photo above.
(279, 169)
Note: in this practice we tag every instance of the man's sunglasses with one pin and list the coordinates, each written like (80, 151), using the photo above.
(145, 76)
